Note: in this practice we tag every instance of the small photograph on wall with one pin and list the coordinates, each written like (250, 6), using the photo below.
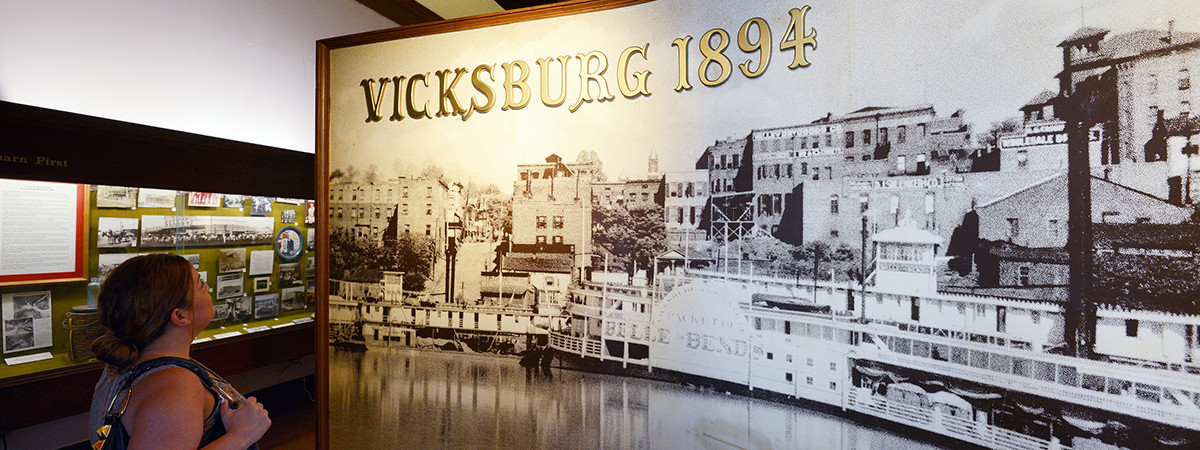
(310, 267)
(156, 198)
(109, 261)
(116, 197)
(203, 200)
(260, 206)
(287, 216)
(290, 275)
(229, 285)
(310, 291)
(194, 259)
(232, 260)
(262, 284)
(234, 201)
(116, 232)
(312, 241)
(310, 217)
(290, 201)
(220, 313)
(241, 309)
(27, 323)
(292, 298)
(266, 306)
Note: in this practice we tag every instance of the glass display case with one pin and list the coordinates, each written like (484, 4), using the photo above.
(79, 195)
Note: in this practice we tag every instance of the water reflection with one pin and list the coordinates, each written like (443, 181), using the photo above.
(405, 398)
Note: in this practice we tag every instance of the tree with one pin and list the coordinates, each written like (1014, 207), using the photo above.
(414, 255)
(634, 235)
(991, 139)
(432, 171)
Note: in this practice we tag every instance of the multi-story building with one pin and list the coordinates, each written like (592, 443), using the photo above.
(362, 209)
(683, 204)
(629, 194)
(1147, 74)
(1041, 142)
(552, 207)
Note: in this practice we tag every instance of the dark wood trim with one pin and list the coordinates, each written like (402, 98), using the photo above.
(481, 21)
(55, 394)
(403, 12)
(321, 175)
(96, 150)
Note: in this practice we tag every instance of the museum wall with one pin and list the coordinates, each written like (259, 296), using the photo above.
(238, 70)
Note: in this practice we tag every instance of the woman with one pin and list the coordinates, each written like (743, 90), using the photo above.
(153, 306)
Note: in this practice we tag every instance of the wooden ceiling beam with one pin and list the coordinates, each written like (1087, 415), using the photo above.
(403, 12)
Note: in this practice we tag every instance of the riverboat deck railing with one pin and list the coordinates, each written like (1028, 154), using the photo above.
(990, 436)
(575, 345)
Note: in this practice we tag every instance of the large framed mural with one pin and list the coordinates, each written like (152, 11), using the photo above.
(763, 224)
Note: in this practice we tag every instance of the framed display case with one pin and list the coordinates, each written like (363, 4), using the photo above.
(98, 192)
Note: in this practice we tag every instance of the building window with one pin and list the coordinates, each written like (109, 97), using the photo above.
(541, 221)
(1014, 228)
(915, 309)
(900, 163)
(406, 228)
(339, 213)
(833, 366)
(803, 168)
(900, 133)
(735, 161)
(1036, 316)
(557, 240)
(810, 362)
(833, 233)
(866, 134)
(429, 192)
(788, 377)
(428, 210)
(429, 230)
(929, 203)
(1185, 108)
(828, 141)
(1023, 275)
(833, 204)
(849, 139)
(1022, 159)
(789, 170)
(833, 385)
(558, 221)
(808, 380)
(541, 239)
(921, 129)
(1185, 79)
(1052, 225)
(883, 135)
(376, 213)
(404, 209)
(770, 355)
(1131, 327)
(864, 203)
(723, 162)
(1001, 319)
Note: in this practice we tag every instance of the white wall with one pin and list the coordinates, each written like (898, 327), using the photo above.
(236, 69)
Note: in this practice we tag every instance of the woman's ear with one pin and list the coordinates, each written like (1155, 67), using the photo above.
(181, 317)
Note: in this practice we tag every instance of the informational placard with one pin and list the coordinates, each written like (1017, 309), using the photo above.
(42, 231)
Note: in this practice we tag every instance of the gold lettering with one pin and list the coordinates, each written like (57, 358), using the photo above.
(511, 82)
(587, 76)
(447, 92)
(641, 86)
(544, 67)
(396, 110)
(373, 101)
(483, 88)
(412, 109)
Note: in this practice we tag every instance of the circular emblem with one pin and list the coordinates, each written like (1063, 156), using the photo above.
(289, 243)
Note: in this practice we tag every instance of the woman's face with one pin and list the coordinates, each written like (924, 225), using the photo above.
(202, 305)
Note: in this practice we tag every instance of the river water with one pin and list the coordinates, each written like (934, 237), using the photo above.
(408, 398)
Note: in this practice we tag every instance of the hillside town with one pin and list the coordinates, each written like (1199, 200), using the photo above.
(965, 226)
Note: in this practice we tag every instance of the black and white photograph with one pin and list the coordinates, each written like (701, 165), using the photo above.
(234, 201)
(231, 260)
(116, 197)
(260, 206)
(287, 215)
(262, 262)
(266, 306)
(116, 232)
(290, 201)
(311, 240)
(203, 200)
(290, 275)
(948, 225)
(194, 259)
(27, 322)
(205, 231)
(310, 267)
(204, 279)
(241, 309)
(220, 313)
(262, 284)
(229, 285)
(156, 198)
(310, 215)
(292, 299)
(106, 262)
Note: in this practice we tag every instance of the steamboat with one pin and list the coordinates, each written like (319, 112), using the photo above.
(983, 369)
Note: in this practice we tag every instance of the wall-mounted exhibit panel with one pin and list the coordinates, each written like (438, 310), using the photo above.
(61, 234)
